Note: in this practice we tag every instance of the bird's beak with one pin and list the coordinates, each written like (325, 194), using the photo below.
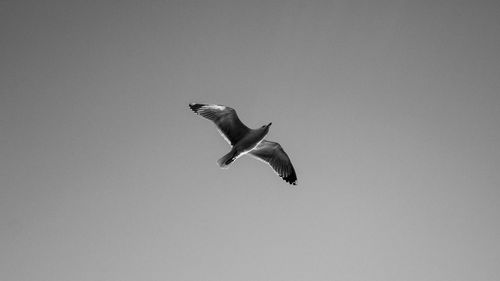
(269, 125)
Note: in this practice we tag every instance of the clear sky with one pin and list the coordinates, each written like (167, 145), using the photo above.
(389, 110)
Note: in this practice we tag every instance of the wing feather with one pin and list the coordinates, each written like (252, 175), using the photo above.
(225, 118)
(273, 154)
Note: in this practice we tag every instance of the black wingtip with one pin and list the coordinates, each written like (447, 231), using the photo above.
(195, 106)
(291, 179)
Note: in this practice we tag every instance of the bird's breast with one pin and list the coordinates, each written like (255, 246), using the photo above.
(250, 141)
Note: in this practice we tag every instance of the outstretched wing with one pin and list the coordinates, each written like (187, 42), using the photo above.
(225, 118)
(273, 154)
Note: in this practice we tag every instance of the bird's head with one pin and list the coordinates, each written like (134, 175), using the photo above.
(266, 127)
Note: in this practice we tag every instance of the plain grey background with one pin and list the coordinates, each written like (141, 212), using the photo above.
(389, 110)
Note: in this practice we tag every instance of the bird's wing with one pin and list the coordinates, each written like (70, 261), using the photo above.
(273, 154)
(225, 118)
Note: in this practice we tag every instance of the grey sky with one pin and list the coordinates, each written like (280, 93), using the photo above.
(389, 110)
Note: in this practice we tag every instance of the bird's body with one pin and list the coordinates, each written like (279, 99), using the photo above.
(246, 144)
(245, 140)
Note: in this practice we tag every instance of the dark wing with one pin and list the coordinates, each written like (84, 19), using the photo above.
(273, 154)
(225, 118)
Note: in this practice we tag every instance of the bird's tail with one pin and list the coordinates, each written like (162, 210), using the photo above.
(227, 159)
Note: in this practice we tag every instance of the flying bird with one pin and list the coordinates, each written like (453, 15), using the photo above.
(246, 141)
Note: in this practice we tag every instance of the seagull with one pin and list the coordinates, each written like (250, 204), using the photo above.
(246, 141)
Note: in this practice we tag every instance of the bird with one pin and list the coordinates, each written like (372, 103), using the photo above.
(244, 140)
